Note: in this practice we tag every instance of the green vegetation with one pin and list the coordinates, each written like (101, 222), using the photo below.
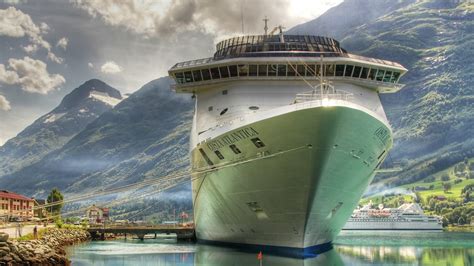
(55, 196)
(448, 193)
(31, 236)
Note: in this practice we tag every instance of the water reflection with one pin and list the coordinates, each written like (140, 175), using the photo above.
(366, 248)
(406, 248)
(151, 252)
(210, 255)
(352, 255)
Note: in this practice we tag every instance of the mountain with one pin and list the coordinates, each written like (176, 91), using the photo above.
(51, 131)
(339, 21)
(432, 116)
(145, 136)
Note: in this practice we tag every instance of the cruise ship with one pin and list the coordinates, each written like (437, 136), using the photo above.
(287, 133)
(409, 216)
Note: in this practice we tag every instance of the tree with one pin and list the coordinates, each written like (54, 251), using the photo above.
(55, 196)
(445, 178)
(447, 187)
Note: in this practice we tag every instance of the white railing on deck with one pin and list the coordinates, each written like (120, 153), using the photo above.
(318, 96)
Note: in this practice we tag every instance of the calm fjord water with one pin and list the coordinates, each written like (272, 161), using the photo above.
(350, 248)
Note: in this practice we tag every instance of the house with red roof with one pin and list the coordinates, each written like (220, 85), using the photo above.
(97, 215)
(13, 205)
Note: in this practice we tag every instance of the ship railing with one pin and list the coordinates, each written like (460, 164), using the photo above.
(318, 96)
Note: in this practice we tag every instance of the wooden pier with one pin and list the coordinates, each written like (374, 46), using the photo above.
(182, 232)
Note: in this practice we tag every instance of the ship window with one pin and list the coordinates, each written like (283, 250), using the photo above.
(224, 92)
(219, 155)
(388, 76)
(253, 108)
(395, 77)
(281, 70)
(310, 71)
(372, 73)
(210, 108)
(348, 71)
(339, 70)
(329, 71)
(206, 75)
(243, 70)
(272, 70)
(233, 71)
(235, 149)
(179, 77)
(188, 76)
(262, 70)
(364, 73)
(204, 155)
(356, 72)
(215, 73)
(300, 69)
(291, 70)
(258, 143)
(224, 72)
(224, 111)
(197, 75)
(380, 74)
(252, 70)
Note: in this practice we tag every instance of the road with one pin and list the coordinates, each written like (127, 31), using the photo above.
(11, 229)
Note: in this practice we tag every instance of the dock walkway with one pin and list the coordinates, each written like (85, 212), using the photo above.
(182, 232)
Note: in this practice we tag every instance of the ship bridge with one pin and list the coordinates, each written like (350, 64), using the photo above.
(285, 57)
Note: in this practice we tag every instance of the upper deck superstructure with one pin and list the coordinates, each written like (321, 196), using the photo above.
(286, 57)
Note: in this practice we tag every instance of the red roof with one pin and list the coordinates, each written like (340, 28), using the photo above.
(11, 195)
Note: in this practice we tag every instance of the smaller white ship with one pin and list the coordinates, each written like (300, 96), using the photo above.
(408, 216)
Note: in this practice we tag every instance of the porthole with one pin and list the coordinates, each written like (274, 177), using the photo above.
(254, 108)
(258, 143)
(219, 155)
(235, 149)
(206, 158)
(224, 111)
(210, 108)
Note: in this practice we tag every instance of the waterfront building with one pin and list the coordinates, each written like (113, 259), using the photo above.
(97, 215)
(38, 211)
(15, 206)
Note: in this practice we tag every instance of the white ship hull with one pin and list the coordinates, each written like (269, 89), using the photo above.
(297, 194)
(393, 225)
(287, 134)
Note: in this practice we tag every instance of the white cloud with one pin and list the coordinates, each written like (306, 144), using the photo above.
(14, 23)
(55, 58)
(30, 48)
(152, 18)
(31, 75)
(62, 43)
(4, 105)
(44, 27)
(110, 67)
(15, 2)
(90, 65)
(7, 76)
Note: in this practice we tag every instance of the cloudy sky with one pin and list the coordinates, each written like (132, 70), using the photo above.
(48, 48)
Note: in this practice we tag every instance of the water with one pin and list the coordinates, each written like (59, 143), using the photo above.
(350, 248)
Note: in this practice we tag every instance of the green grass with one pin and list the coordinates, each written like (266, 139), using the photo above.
(438, 189)
(30, 236)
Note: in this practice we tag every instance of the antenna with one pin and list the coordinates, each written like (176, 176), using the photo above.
(266, 26)
(242, 14)
(321, 76)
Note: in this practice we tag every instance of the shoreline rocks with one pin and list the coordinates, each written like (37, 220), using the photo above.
(47, 250)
